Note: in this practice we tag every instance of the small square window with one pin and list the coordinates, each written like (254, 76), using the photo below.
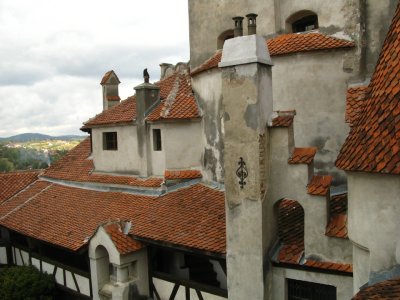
(157, 139)
(110, 141)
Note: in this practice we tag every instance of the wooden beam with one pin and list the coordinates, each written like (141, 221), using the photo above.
(174, 291)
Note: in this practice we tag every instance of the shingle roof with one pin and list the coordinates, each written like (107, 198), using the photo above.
(385, 290)
(373, 144)
(326, 265)
(12, 183)
(286, 44)
(354, 103)
(177, 102)
(337, 225)
(107, 76)
(76, 166)
(124, 243)
(302, 155)
(319, 185)
(193, 217)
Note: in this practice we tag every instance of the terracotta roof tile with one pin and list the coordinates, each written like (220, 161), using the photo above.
(304, 42)
(282, 121)
(287, 44)
(177, 102)
(291, 254)
(193, 217)
(319, 185)
(209, 64)
(107, 76)
(385, 290)
(338, 204)
(76, 166)
(124, 243)
(113, 98)
(14, 182)
(181, 174)
(337, 226)
(302, 155)
(354, 103)
(124, 112)
(325, 265)
(373, 144)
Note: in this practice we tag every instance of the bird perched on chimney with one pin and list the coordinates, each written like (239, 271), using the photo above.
(146, 76)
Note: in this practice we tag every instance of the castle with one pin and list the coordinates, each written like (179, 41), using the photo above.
(266, 168)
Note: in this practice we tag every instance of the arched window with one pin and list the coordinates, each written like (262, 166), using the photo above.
(301, 21)
(226, 35)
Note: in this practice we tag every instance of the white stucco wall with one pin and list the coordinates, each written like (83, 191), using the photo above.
(124, 160)
(343, 284)
(181, 146)
(314, 84)
(3, 255)
(374, 220)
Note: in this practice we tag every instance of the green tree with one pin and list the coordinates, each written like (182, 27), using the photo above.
(25, 283)
(6, 165)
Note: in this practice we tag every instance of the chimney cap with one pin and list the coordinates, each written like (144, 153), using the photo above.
(107, 76)
(237, 18)
(252, 15)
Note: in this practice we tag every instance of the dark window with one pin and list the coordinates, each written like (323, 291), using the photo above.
(157, 139)
(110, 141)
(303, 290)
(305, 24)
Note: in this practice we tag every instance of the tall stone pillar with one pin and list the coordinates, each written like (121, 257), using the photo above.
(247, 104)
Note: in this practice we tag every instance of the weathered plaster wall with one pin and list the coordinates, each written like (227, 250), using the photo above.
(290, 181)
(375, 196)
(314, 84)
(207, 87)
(361, 267)
(123, 160)
(379, 16)
(209, 18)
(343, 284)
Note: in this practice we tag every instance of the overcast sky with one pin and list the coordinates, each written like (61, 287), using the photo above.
(55, 52)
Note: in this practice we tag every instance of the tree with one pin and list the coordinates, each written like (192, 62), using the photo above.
(6, 165)
(26, 283)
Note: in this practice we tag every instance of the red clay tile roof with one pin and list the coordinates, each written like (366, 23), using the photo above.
(209, 64)
(319, 185)
(290, 231)
(124, 243)
(325, 265)
(76, 166)
(304, 42)
(182, 174)
(177, 102)
(113, 98)
(354, 103)
(282, 121)
(286, 44)
(107, 76)
(302, 155)
(124, 112)
(337, 226)
(385, 290)
(65, 216)
(373, 144)
(14, 182)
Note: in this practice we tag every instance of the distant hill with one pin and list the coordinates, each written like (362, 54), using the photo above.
(26, 137)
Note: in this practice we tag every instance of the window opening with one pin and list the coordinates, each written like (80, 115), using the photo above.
(303, 290)
(110, 141)
(226, 35)
(302, 21)
(157, 139)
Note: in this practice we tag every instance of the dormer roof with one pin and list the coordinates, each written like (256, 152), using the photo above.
(107, 76)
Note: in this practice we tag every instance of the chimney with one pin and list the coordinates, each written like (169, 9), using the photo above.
(147, 95)
(251, 24)
(238, 30)
(165, 70)
(109, 84)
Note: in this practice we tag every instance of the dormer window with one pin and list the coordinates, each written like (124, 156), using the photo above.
(301, 21)
(110, 141)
